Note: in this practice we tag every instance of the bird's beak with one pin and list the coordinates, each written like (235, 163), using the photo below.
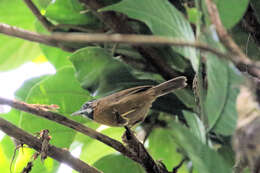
(80, 112)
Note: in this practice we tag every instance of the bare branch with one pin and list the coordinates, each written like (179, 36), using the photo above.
(57, 39)
(26, 35)
(53, 116)
(54, 39)
(58, 154)
(240, 59)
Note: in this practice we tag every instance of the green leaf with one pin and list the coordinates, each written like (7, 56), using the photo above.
(203, 158)
(24, 90)
(196, 126)
(6, 150)
(100, 73)
(229, 15)
(217, 94)
(69, 12)
(56, 56)
(93, 150)
(223, 83)
(15, 52)
(117, 164)
(61, 89)
(163, 19)
(162, 147)
(226, 123)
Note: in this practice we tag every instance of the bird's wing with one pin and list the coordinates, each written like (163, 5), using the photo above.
(127, 92)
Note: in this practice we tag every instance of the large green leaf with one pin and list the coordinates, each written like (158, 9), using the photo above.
(56, 56)
(14, 115)
(99, 72)
(61, 89)
(94, 150)
(15, 52)
(223, 82)
(230, 15)
(226, 123)
(115, 163)
(217, 94)
(163, 19)
(69, 12)
(196, 126)
(6, 151)
(203, 158)
(221, 98)
(162, 147)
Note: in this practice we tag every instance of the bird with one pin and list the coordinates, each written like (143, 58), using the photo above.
(128, 107)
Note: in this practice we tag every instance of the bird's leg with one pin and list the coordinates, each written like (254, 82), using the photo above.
(119, 119)
(128, 133)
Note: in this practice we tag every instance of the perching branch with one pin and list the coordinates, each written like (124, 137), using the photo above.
(53, 116)
(150, 165)
(142, 157)
(58, 154)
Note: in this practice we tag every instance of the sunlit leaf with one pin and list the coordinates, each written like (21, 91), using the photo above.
(14, 51)
(203, 158)
(120, 164)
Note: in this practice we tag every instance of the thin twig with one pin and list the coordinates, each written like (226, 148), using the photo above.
(47, 24)
(58, 154)
(53, 116)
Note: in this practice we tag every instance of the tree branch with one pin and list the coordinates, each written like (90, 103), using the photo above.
(54, 39)
(135, 150)
(48, 25)
(26, 35)
(150, 165)
(53, 116)
(58, 154)
(240, 60)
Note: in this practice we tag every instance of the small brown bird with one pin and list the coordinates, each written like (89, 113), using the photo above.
(130, 106)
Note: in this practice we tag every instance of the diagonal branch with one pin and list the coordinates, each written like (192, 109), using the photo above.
(140, 156)
(241, 60)
(53, 116)
(48, 25)
(58, 154)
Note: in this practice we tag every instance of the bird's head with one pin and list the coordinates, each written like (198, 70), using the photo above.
(86, 110)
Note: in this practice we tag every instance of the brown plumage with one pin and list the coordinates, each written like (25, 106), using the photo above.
(130, 106)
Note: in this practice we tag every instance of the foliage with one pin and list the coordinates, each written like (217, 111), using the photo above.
(92, 71)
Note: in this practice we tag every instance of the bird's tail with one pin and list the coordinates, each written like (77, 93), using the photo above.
(170, 85)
